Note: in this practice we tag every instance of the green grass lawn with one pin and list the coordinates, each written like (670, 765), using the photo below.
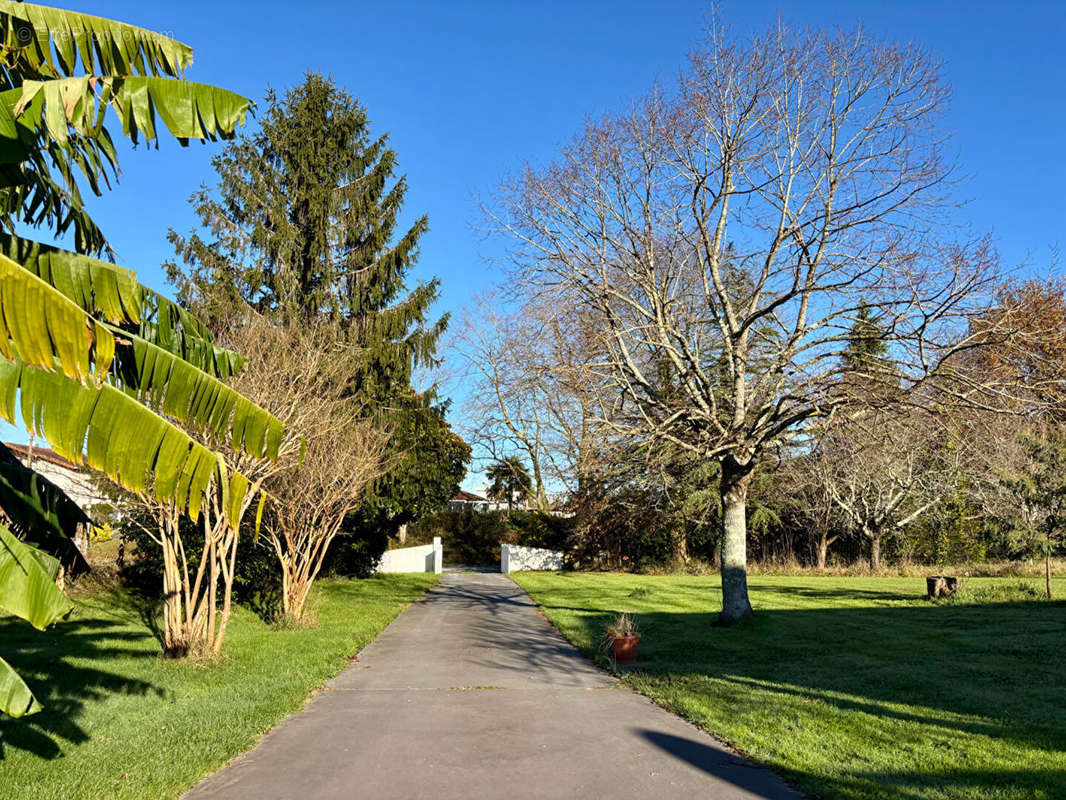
(120, 722)
(849, 687)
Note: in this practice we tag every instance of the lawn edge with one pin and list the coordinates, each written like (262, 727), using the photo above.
(315, 692)
(789, 777)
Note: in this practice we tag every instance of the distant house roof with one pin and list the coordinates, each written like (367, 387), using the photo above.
(468, 497)
(42, 453)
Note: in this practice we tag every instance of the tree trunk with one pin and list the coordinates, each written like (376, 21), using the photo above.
(822, 550)
(679, 545)
(736, 478)
(875, 548)
(1047, 566)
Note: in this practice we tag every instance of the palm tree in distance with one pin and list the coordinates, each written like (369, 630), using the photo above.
(509, 481)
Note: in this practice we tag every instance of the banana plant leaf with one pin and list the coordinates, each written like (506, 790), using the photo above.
(27, 590)
(43, 329)
(28, 583)
(44, 188)
(52, 41)
(40, 513)
(112, 293)
(16, 699)
(110, 431)
(188, 110)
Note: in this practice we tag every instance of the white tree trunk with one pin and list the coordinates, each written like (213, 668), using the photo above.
(735, 480)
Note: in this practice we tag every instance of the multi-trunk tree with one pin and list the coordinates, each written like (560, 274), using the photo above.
(332, 456)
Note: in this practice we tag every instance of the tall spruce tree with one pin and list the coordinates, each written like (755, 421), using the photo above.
(304, 225)
(866, 349)
(866, 365)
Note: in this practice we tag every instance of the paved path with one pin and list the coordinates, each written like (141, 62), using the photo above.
(470, 693)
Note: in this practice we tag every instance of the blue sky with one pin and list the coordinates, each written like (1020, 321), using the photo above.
(470, 90)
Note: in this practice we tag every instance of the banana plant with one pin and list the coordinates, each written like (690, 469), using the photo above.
(112, 293)
(61, 73)
(41, 514)
(111, 374)
(27, 590)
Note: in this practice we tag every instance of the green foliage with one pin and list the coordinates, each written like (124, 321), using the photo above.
(509, 481)
(956, 533)
(432, 462)
(866, 350)
(25, 28)
(302, 225)
(982, 592)
(40, 513)
(1037, 486)
(27, 590)
(114, 295)
(61, 72)
(72, 362)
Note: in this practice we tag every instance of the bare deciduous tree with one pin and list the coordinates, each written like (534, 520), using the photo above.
(884, 470)
(530, 391)
(804, 483)
(331, 454)
(736, 231)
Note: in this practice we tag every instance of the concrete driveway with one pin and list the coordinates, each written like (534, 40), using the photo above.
(470, 693)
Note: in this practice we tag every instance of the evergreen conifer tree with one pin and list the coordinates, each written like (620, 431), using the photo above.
(303, 226)
(866, 350)
(866, 366)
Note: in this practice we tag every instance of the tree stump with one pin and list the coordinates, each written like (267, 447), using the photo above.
(941, 585)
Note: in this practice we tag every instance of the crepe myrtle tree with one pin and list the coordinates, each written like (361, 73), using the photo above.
(737, 229)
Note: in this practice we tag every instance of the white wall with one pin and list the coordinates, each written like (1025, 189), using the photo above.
(424, 558)
(518, 559)
(76, 485)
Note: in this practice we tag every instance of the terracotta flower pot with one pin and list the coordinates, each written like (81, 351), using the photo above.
(625, 649)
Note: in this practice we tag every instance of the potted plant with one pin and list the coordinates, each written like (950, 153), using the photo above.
(620, 638)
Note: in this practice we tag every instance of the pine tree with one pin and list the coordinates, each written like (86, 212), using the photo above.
(865, 363)
(303, 226)
(866, 350)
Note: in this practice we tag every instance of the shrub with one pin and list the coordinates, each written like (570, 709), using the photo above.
(996, 592)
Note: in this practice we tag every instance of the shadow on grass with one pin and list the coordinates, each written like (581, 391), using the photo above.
(66, 667)
(903, 785)
(721, 764)
(936, 673)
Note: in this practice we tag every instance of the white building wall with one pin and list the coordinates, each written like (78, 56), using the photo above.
(519, 559)
(424, 558)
